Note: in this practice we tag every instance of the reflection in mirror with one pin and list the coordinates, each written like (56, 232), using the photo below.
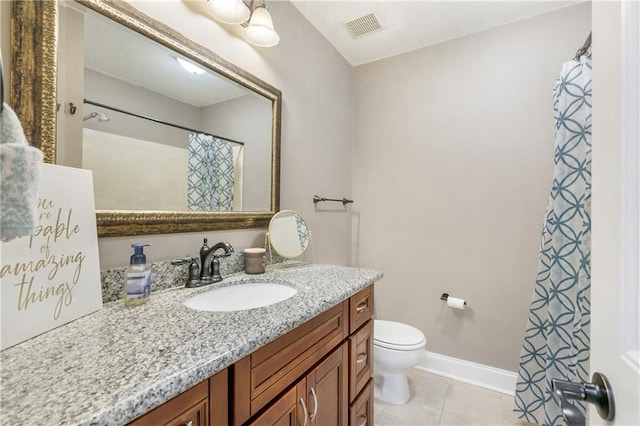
(289, 234)
(159, 132)
(49, 99)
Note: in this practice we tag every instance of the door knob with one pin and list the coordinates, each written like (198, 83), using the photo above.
(598, 392)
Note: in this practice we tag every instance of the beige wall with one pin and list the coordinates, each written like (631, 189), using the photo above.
(452, 168)
(104, 89)
(316, 128)
(122, 165)
(70, 86)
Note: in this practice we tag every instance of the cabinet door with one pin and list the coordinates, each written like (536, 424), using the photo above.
(327, 393)
(195, 416)
(287, 410)
(190, 406)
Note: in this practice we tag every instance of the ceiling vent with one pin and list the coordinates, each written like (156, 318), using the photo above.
(363, 25)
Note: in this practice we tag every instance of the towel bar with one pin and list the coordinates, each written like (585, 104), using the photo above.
(344, 201)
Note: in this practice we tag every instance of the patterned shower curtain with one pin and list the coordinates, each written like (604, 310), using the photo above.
(210, 175)
(303, 232)
(556, 342)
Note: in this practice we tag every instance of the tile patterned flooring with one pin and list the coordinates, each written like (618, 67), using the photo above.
(436, 400)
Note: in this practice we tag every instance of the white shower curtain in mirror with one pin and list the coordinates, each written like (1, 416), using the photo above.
(556, 342)
(210, 176)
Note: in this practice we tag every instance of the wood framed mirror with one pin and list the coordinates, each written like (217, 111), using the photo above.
(40, 104)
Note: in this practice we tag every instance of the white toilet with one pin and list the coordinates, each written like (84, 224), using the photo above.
(396, 347)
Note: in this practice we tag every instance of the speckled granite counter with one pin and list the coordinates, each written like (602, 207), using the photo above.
(112, 366)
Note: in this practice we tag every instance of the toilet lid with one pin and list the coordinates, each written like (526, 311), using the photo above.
(396, 335)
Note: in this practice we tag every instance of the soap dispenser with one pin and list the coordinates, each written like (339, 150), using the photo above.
(137, 285)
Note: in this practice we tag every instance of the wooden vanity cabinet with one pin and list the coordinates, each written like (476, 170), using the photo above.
(263, 375)
(318, 374)
(323, 368)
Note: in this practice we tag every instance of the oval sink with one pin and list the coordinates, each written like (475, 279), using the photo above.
(239, 297)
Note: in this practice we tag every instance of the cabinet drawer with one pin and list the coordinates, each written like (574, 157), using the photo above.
(180, 410)
(360, 308)
(360, 359)
(361, 410)
(261, 376)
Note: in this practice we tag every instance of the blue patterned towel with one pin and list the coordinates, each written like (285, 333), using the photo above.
(19, 179)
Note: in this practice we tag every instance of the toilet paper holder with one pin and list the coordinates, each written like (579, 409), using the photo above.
(445, 297)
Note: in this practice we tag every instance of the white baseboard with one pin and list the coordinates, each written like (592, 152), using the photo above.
(502, 381)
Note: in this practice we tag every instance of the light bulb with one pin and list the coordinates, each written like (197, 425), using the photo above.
(260, 31)
(229, 11)
(189, 67)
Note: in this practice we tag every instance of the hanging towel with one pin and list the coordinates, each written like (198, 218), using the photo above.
(19, 178)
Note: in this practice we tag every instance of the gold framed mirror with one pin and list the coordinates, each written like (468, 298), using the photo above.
(33, 96)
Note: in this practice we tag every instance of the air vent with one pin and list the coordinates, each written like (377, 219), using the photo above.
(363, 25)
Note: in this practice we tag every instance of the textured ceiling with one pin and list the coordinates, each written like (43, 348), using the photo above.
(409, 25)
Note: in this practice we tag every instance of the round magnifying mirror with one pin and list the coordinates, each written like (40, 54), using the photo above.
(289, 234)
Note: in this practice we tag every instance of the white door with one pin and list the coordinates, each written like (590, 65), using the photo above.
(615, 293)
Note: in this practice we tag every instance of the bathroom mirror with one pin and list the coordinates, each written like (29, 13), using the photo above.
(289, 234)
(44, 31)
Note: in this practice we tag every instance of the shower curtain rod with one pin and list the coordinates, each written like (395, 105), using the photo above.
(585, 47)
(155, 120)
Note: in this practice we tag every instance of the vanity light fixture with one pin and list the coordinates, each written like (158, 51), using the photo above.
(251, 14)
(260, 30)
(229, 11)
(189, 67)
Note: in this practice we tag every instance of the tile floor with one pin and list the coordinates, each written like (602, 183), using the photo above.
(436, 400)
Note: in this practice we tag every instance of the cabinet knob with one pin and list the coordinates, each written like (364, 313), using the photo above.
(361, 358)
(361, 307)
(364, 421)
(189, 424)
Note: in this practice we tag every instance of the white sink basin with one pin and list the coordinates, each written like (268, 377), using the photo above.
(240, 297)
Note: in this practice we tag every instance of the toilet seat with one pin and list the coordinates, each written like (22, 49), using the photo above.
(397, 336)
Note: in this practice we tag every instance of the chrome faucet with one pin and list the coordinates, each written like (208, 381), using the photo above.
(210, 263)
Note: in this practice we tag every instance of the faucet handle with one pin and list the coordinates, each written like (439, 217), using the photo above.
(194, 273)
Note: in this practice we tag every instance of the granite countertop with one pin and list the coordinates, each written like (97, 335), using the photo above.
(116, 364)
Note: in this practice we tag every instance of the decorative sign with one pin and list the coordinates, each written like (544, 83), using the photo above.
(52, 277)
